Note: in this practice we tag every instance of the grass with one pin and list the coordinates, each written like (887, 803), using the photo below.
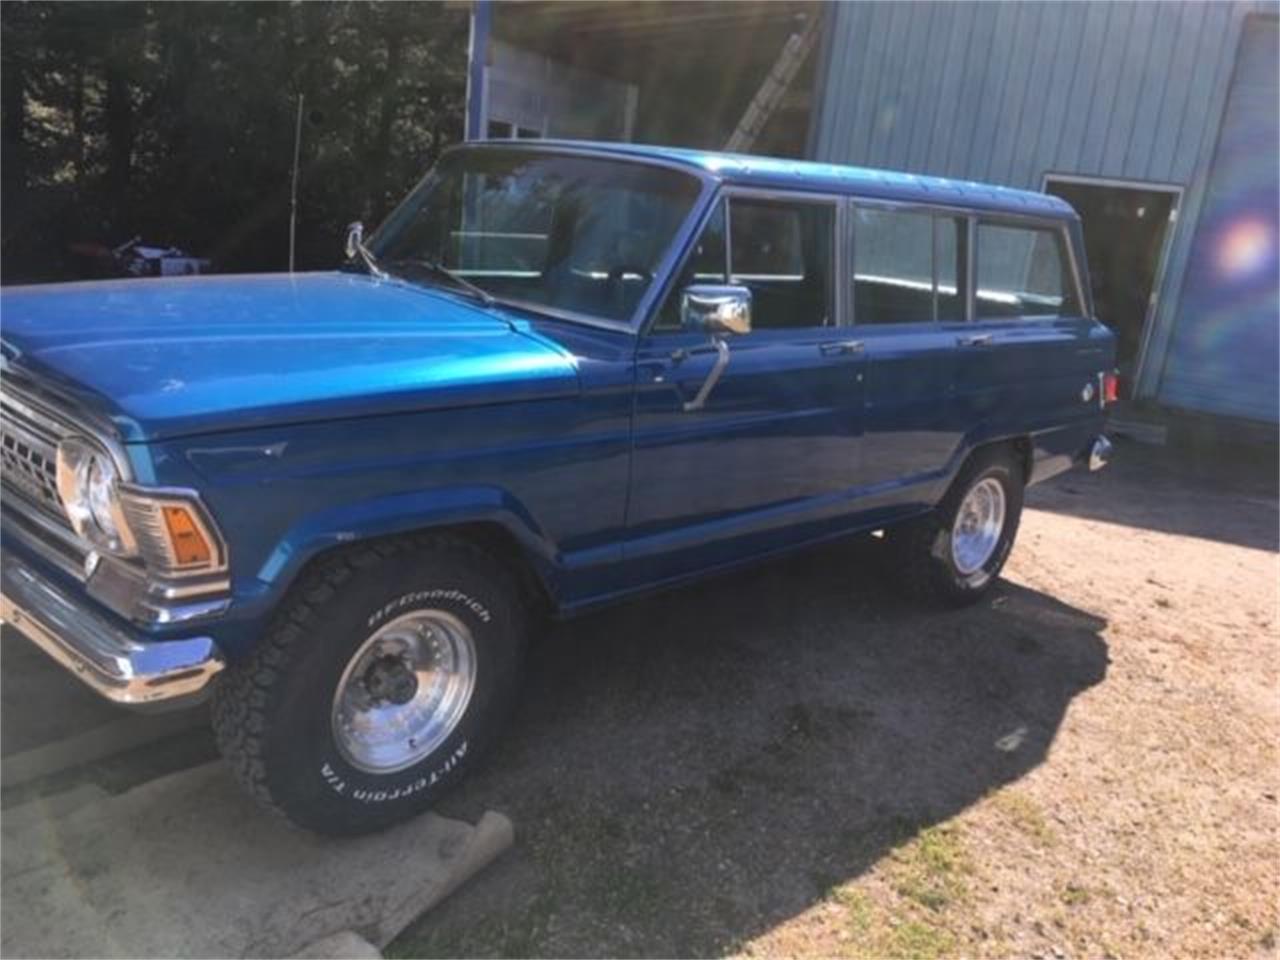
(929, 871)
(859, 911)
(877, 934)
(1025, 814)
(1073, 895)
(932, 869)
(919, 941)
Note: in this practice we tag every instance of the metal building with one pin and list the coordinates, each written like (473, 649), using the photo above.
(1159, 122)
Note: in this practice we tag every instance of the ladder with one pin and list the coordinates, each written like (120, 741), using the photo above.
(774, 88)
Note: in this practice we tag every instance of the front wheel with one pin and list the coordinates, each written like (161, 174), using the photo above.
(955, 554)
(388, 672)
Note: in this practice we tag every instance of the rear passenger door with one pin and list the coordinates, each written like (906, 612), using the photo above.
(909, 301)
(1024, 361)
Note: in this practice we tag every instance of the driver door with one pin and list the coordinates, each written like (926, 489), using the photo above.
(771, 455)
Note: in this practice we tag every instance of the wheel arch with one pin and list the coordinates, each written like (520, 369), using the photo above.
(487, 518)
(1020, 448)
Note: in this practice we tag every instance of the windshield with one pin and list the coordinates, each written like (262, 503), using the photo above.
(575, 234)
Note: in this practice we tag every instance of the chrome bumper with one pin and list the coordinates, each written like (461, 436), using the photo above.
(1099, 453)
(122, 668)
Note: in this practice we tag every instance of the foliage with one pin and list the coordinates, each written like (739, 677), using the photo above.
(175, 121)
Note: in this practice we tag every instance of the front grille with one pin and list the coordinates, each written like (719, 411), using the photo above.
(28, 450)
(28, 468)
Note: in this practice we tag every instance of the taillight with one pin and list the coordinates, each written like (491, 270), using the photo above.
(1110, 388)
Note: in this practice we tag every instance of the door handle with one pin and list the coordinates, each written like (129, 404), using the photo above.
(841, 347)
(975, 340)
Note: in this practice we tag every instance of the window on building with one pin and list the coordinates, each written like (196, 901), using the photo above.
(908, 266)
(1022, 271)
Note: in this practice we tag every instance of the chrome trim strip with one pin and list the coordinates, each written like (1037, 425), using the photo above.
(50, 542)
(127, 590)
(185, 613)
(177, 591)
(118, 666)
(120, 586)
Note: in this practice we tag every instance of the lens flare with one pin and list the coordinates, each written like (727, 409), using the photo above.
(1245, 247)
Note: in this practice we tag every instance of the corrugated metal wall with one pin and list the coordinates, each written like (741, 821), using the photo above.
(1224, 353)
(1007, 92)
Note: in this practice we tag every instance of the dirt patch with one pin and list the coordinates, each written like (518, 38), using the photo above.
(793, 761)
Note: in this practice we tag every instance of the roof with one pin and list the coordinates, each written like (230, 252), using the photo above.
(781, 173)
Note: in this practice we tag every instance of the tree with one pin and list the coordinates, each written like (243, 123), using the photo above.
(175, 122)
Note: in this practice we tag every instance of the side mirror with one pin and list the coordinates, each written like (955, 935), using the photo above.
(355, 237)
(716, 309)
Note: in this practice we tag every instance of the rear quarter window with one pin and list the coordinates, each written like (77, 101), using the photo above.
(1022, 271)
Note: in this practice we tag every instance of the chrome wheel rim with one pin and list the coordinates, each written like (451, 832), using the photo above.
(978, 524)
(404, 691)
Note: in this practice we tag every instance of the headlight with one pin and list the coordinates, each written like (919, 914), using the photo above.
(89, 486)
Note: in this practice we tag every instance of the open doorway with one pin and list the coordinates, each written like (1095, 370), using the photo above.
(1127, 226)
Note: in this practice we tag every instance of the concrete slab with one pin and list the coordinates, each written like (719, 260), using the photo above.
(107, 740)
(188, 866)
(40, 702)
(50, 722)
(341, 946)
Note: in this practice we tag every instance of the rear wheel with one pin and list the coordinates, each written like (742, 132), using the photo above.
(954, 555)
(382, 681)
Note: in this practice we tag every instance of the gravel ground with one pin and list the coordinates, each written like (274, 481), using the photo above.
(793, 761)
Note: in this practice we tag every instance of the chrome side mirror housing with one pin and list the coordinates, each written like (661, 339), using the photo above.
(716, 309)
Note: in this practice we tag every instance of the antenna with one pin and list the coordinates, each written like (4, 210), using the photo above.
(293, 189)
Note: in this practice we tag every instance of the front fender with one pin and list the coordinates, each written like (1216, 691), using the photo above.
(406, 513)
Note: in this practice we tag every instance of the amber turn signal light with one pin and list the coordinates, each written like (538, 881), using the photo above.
(188, 542)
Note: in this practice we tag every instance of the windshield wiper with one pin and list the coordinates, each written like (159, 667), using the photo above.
(355, 246)
(440, 270)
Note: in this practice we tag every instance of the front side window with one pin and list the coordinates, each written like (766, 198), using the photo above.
(781, 250)
(1022, 271)
(705, 263)
(578, 235)
(907, 266)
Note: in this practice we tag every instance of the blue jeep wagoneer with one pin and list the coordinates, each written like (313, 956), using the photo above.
(557, 375)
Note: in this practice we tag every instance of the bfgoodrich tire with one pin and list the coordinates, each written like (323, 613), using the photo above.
(953, 555)
(382, 681)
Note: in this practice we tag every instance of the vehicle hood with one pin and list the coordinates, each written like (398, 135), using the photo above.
(167, 357)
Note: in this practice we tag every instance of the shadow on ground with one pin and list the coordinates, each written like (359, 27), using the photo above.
(688, 771)
(1224, 495)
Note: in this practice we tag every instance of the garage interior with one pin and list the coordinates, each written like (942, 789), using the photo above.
(1126, 232)
(724, 75)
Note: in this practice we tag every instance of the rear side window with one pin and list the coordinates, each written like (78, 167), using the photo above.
(906, 266)
(1022, 271)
